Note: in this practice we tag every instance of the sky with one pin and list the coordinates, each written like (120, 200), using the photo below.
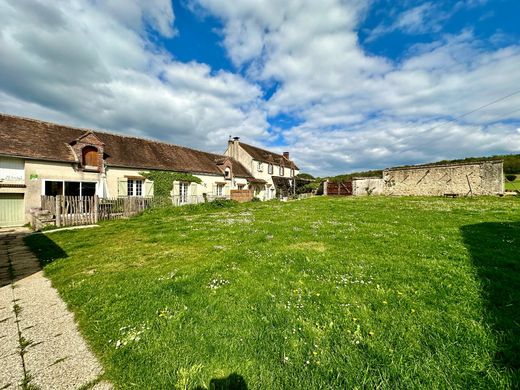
(343, 85)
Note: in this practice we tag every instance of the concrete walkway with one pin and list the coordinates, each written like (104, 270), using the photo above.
(40, 345)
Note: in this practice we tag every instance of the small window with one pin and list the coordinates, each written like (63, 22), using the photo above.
(260, 167)
(135, 187)
(241, 186)
(281, 171)
(270, 169)
(183, 192)
(292, 172)
(90, 156)
(220, 190)
(227, 173)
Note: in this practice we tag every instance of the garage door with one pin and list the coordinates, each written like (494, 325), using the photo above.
(11, 210)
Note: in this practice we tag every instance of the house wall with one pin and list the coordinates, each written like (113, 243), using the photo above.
(234, 150)
(480, 178)
(365, 186)
(35, 173)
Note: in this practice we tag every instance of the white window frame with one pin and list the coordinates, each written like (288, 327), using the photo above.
(184, 188)
(134, 187)
(69, 181)
(260, 166)
(219, 190)
(270, 169)
(281, 171)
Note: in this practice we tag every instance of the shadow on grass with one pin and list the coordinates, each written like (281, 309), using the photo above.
(231, 382)
(495, 251)
(44, 248)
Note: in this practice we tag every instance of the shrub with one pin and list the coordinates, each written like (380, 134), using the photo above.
(256, 199)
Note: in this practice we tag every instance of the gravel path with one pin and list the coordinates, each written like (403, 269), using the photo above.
(39, 341)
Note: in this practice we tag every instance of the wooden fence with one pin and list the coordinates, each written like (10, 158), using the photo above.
(86, 210)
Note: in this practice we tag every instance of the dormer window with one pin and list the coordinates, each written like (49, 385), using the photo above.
(227, 173)
(90, 157)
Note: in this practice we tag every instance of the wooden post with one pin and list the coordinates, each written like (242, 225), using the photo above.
(58, 211)
(96, 207)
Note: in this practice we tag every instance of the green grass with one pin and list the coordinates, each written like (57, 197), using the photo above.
(323, 293)
(513, 185)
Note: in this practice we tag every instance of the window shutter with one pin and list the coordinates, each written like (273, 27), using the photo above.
(149, 188)
(176, 190)
(193, 189)
(214, 189)
(226, 190)
(122, 187)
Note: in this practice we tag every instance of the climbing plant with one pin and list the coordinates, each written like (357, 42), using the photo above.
(163, 180)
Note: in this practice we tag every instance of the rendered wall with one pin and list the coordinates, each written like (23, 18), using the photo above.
(367, 186)
(480, 178)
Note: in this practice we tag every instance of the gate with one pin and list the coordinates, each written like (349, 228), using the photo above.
(339, 189)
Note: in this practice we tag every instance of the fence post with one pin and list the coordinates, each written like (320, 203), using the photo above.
(58, 210)
(96, 209)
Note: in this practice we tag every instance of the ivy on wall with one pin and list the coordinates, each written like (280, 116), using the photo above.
(163, 180)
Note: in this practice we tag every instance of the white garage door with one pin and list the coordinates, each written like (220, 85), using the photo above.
(11, 210)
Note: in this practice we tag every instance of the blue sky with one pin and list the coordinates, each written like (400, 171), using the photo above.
(343, 85)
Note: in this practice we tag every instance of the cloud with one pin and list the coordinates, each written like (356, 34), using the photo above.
(360, 111)
(97, 63)
(91, 63)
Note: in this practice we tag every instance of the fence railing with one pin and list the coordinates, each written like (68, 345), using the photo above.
(86, 210)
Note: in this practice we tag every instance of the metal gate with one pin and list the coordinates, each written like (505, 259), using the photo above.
(11, 210)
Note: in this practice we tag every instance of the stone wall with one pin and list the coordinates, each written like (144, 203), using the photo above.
(364, 186)
(476, 178)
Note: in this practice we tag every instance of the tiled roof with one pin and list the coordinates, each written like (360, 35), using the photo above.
(34, 139)
(266, 156)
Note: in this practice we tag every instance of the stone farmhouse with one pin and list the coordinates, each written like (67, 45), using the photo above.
(271, 171)
(39, 158)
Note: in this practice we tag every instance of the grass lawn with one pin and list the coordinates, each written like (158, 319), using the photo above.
(513, 185)
(322, 293)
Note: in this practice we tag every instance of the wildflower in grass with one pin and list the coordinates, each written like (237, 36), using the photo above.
(217, 283)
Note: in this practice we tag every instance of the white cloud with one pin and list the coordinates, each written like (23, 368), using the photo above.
(358, 110)
(90, 63)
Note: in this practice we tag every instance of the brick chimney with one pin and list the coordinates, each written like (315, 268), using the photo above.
(286, 155)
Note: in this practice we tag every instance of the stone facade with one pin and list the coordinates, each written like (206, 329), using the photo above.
(463, 179)
(364, 186)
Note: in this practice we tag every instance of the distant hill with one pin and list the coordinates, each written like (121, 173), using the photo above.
(511, 165)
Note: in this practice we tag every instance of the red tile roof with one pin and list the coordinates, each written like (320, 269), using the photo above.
(266, 156)
(39, 140)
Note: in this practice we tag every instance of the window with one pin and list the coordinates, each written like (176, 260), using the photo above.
(241, 186)
(134, 187)
(220, 190)
(227, 173)
(281, 171)
(183, 192)
(292, 172)
(69, 188)
(260, 167)
(270, 169)
(90, 156)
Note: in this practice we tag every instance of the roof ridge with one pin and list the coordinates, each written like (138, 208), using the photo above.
(86, 129)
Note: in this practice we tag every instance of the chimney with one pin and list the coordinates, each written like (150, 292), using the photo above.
(233, 147)
(286, 155)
